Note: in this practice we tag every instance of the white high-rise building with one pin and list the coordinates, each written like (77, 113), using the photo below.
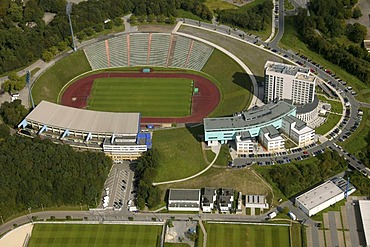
(283, 81)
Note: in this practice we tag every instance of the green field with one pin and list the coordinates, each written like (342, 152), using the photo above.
(49, 84)
(247, 235)
(152, 97)
(79, 235)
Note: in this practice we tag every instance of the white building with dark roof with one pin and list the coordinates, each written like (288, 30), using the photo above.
(184, 200)
(225, 200)
(271, 139)
(297, 131)
(245, 143)
(284, 81)
(323, 196)
(209, 198)
(364, 206)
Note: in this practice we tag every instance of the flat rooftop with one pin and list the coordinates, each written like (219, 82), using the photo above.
(319, 195)
(365, 217)
(64, 117)
(250, 118)
(184, 195)
(286, 69)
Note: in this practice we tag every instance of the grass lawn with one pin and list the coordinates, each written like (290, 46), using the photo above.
(54, 235)
(336, 106)
(52, 81)
(357, 141)
(245, 52)
(224, 156)
(210, 155)
(219, 4)
(296, 236)
(176, 245)
(291, 41)
(181, 153)
(152, 97)
(187, 14)
(235, 86)
(247, 235)
(243, 180)
(331, 121)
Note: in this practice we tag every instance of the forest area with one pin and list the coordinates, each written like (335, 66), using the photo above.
(38, 173)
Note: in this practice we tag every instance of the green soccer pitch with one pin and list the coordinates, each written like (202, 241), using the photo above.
(247, 235)
(152, 97)
(86, 235)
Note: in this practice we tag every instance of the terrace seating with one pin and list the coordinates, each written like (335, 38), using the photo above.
(139, 49)
(97, 56)
(199, 55)
(118, 51)
(180, 55)
(159, 49)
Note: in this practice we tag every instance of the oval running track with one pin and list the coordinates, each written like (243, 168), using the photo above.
(208, 98)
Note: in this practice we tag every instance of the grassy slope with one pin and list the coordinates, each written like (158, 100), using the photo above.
(150, 96)
(331, 121)
(97, 235)
(52, 81)
(291, 41)
(181, 153)
(235, 86)
(240, 180)
(219, 4)
(357, 141)
(247, 235)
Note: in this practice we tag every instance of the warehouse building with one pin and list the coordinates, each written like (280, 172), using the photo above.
(323, 196)
(364, 206)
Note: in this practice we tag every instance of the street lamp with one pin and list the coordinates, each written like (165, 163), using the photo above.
(68, 12)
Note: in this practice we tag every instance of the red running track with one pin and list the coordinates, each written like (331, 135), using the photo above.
(77, 94)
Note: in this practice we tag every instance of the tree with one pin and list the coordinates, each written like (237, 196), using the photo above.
(47, 56)
(356, 13)
(4, 131)
(13, 112)
(356, 32)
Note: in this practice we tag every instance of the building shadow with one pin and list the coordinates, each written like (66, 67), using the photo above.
(197, 131)
(243, 80)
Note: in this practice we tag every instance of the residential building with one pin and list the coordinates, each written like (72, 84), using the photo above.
(225, 200)
(283, 81)
(256, 201)
(184, 200)
(209, 198)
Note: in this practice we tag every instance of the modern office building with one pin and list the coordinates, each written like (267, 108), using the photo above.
(297, 131)
(271, 139)
(223, 129)
(245, 143)
(283, 81)
(323, 196)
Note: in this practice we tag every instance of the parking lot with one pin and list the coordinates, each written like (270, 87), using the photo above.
(118, 187)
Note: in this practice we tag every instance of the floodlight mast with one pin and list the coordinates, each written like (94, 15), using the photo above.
(68, 12)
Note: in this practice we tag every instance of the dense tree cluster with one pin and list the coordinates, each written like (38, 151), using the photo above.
(325, 24)
(25, 37)
(255, 18)
(294, 178)
(35, 172)
(146, 171)
(12, 113)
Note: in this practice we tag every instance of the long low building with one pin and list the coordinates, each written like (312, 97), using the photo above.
(223, 129)
(118, 134)
(364, 206)
(184, 200)
(323, 196)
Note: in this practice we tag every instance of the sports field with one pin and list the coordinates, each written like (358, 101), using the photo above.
(152, 97)
(80, 235)
(247, 235)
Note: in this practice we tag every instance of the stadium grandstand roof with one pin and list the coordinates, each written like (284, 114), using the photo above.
(64, 117)
(250, 118)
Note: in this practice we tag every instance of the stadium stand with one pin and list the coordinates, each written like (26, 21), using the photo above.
(159, 49)
(144, 49)
(199, 55)
(97, 56)
(139, 49)
(181, 52)
(118, 51)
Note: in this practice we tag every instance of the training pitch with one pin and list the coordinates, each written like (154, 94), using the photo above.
(152, 97)
(81, 235)
(247, 235)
